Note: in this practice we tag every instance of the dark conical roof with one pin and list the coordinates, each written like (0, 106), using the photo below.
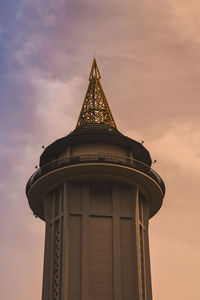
(95, 133)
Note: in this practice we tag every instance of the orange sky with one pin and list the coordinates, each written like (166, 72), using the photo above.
(148, 53)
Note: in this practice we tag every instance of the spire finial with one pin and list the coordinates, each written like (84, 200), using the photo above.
(95, 107)
(94, 73)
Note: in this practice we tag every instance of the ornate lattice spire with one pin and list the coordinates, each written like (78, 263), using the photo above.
(95, 107)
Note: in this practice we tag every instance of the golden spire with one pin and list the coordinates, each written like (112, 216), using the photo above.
(95, 107)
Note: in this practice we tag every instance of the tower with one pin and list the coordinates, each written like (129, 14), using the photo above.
(96, 191)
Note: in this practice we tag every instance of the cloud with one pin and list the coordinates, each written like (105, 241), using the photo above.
(186, 19)
(57, 103)
(180, 146)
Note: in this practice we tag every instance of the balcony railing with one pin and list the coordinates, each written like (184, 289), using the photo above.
(95, 158)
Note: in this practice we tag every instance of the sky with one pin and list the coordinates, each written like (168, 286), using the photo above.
(148, 53)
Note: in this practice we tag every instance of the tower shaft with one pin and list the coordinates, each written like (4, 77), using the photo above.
(98, 236)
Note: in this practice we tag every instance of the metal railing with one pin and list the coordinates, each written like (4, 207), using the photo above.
(95, 158)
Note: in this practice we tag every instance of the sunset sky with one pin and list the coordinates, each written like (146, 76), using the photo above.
(148, 53)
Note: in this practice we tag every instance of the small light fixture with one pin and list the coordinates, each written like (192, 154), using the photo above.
(36, 167)
(43, 147)
(155, 161)
(142, 142)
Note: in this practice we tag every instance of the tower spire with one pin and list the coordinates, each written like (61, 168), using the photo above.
(95, 107)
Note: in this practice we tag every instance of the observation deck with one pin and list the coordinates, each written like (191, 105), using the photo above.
(89, 166)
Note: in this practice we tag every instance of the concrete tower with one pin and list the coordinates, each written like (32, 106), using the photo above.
(96, 191)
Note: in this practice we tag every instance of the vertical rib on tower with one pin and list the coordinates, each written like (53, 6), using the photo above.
(95, 107)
